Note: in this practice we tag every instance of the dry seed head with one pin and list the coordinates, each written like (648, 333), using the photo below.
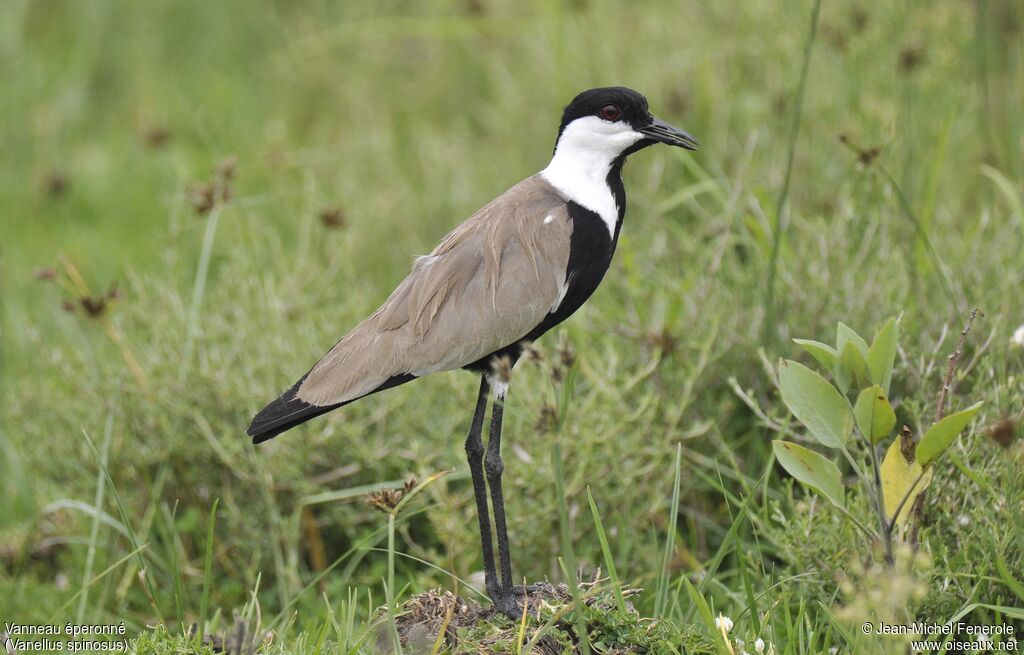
(45, 274)
(201, 197)
(557, 372)
(385, 500)
(567, 355)
(55, 184)
(226, 167)
(865, 156)
(410, 484)
(833, 35)
(92, 306)
(217, 191)
(333, 218)
(532, 353)
(474, 7)
(1003, 432)
(155, 136)
(911, 57)
(547, 418)
(663, 340)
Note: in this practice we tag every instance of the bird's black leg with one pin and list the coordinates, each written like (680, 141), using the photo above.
(505, 603)
(475, 454)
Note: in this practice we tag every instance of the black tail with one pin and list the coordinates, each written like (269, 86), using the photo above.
(288, 410)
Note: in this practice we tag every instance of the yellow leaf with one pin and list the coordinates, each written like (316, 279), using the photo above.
(898, 476)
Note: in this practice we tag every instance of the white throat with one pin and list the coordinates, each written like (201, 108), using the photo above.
(583, 157)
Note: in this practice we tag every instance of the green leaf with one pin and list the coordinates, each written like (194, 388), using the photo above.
(842, 377)
(1012, 583)
(875, 416)
(823, 353)
(816, 403)
(828, 357)
(811, 469)
(845, 334)
(940, 435)
(854, 361)
(882, 354)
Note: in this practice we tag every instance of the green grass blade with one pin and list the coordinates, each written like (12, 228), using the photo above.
(94, 529)
(567, 548)
(170, 533)
(202, 273)
(204, 602)
(100, 576)
(136, 548)
(661, 596)
(779, 226)
(706, 614)
(609, 562)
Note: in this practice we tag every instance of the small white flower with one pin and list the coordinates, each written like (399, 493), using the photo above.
(723, 623)
(740, 643)
(963, 520)
(1018, 337)
(759, 645)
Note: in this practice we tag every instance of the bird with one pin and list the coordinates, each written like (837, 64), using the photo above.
(516, 268)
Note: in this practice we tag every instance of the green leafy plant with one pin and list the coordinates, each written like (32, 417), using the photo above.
(856, 402)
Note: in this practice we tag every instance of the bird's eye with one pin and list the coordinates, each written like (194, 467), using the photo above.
(610, 113)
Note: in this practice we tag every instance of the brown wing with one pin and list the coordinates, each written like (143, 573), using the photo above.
(489, 282)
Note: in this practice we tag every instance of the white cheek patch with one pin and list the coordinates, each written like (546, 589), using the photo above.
(582, 160)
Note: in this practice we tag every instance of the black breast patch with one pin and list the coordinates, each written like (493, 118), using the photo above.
(590, 254)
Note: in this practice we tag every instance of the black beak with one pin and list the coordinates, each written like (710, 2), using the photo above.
(662, 132)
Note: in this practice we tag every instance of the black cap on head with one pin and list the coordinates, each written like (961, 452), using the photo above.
(631, 104)
(620, 104)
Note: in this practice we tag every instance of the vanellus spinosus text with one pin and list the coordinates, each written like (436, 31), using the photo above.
(513, 270)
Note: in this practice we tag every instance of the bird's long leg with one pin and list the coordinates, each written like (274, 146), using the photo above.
(475, 454)
(494, 468)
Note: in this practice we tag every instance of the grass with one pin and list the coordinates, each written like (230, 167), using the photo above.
(326, 144)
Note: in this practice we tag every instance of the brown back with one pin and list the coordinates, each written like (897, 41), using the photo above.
(489, 282)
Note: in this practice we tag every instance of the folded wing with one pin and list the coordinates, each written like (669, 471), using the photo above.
(487, 285)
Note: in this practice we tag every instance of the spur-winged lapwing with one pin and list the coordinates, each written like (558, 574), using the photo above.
(514, 270)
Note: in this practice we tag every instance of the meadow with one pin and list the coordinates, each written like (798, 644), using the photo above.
(199, 198)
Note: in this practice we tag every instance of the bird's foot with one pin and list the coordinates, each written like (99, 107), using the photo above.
(504, 601)
(527, 589)
(509, 607)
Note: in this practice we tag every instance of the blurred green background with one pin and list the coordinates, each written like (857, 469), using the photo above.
(352, 136)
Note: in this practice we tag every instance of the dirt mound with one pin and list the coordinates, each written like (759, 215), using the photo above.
(425, 616)
(442, 622)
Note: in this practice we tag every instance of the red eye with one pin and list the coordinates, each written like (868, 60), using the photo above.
(610, 113)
